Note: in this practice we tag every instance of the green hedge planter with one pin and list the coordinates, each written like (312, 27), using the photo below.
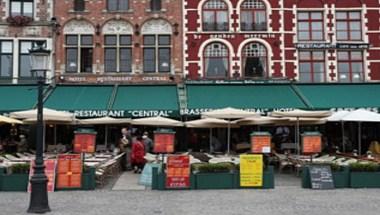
(202, 181)
(14, 182)
(341, 178)
(365, 179)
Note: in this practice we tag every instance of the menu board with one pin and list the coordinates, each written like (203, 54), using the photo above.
(321, 177)
(164, 142)
(50, 166)
(69, 173)
(84, 142)
(251, 170)
(178, 171)
(311, 143)
(260, 142)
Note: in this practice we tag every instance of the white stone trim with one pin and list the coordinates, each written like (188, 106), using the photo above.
(156, 26)
(117, 27)
(78, 27)
(213, 40)
(269, 53)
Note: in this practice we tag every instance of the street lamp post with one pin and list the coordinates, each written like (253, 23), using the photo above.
(39, 202)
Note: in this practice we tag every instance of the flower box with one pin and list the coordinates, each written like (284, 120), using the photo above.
(365, 179)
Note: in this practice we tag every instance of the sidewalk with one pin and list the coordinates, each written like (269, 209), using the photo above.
(128, 181)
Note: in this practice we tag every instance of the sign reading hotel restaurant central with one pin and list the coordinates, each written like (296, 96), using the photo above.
(101, 78)
(123, 113)
(251, 170)
(178, 171)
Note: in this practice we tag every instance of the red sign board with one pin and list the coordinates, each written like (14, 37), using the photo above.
(84, 143)
(311, 144)
(260, 143)
(163, 142)
(178, 171)
(49, 172)
(69, 171)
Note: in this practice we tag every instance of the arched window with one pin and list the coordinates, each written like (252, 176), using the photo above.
(157, 36)
(216, 60)
(253, 16)
(215, 16)
(255, 60)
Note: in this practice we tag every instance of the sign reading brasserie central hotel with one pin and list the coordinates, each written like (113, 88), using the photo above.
(251, 170)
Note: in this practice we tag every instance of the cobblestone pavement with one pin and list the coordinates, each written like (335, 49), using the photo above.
(286, 198)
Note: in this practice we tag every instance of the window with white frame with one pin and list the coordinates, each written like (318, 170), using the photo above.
(348, 26)
(6, 59)
(21, 8)
(157, 53)
(118, 53)
(312, 66)
(253, 16)
(79, 53)
(216, 60)
(350, 66)
(215, 16)
(24, 58)
(254, 60)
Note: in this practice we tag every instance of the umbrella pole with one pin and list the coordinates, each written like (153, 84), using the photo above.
(55, 134)
(210, 140)
(360, 138)
(106, 135)
(298, 136)
(343, 140)
(229, 136)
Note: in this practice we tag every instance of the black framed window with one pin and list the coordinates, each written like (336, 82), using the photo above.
(117, 5)
(6, 59)
(157, 53)
(79, 5)
(21, 8)
(155, 5)
(79, 53)
(118, 53)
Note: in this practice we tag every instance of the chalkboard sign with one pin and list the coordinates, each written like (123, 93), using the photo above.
(321, 177)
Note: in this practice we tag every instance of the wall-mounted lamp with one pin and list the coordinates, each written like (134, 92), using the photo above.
(56, 27)
(176, 25)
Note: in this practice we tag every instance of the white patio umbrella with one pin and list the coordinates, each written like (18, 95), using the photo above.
(105, 121)
(157, 121)
(229, 113)
(263, 120)
(301, 114)
(208, 123)
(9, 120)
(47, 113)
(360, 116)
(337, 117)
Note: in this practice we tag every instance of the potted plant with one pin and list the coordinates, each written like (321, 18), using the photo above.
(16, 179)
(365, 175)
(19, 20)
(214, 176)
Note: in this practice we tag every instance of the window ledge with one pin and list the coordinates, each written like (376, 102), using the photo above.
(163, 10)
(79, 12)
(117, 11)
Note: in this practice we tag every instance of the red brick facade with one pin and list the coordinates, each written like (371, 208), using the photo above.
(280, 38)
(97, 16)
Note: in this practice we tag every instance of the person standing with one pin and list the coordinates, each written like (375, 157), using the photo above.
(138, 153)
(148, 143)
(126, 146)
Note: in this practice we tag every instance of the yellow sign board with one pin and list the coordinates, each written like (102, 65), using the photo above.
(251, 170)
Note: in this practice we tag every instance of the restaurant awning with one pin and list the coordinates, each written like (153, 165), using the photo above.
(84, 101)
(329, 96)
(257, 97)
(147, 100)
(17, 97)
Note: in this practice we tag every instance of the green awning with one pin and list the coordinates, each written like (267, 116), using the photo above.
(327, 96)
(147, 100)
(79, 98)
(260, 97)
(17, 97)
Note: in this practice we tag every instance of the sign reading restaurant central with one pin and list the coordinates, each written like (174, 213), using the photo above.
(122, 113)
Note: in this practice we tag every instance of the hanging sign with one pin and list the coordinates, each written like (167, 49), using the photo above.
(251, 170)
(311, 142)
(178, 171)
(163, 142)
(261, 142)
(50, 166)
(69, 173)
(84, 142)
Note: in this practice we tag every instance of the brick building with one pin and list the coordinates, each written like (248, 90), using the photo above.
(118, 41)
(310, 41)
(22, 22)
